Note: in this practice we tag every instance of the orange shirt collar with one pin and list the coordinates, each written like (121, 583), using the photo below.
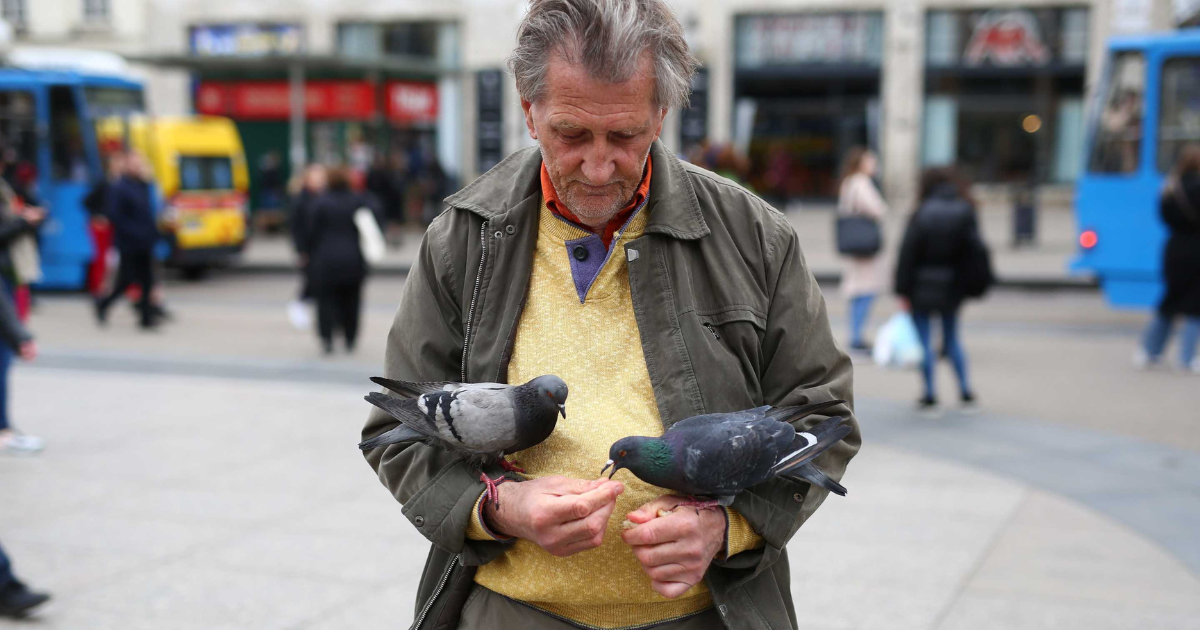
(559, 208)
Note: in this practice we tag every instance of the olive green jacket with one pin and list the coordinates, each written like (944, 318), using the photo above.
(730, 318)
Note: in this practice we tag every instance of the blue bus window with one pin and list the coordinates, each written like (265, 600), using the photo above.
(1179, 119)
(68, 160)
(1118, 129)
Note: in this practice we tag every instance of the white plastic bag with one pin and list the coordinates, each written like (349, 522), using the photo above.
(370, 237)
(897, 344)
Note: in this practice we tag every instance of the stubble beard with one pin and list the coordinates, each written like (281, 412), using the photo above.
(586, 207)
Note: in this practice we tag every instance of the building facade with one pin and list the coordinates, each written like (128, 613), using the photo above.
(996, 87)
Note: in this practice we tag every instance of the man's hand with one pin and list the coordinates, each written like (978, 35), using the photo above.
(675, 549)
(563, 516)
(28, 350)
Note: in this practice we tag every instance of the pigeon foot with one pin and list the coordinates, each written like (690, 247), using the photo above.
(700, 505)
(510, 467)
(492, 493)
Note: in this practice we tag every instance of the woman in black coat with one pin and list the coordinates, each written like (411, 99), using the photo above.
(336, 266)
(930, 274)
(1180, 210)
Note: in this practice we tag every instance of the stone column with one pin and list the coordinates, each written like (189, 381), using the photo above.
(903, 95)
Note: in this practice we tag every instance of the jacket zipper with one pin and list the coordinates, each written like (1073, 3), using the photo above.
(436, 593)
(713, 330)
(474, 297)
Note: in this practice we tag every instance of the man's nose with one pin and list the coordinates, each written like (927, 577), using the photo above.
(599, 163)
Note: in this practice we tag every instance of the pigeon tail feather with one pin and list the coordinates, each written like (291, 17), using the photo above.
(811, 474)
(409, 389)
(812, 442)
(797, 412)
(399, 434)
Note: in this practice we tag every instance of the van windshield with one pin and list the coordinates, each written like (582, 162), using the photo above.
(205, 173)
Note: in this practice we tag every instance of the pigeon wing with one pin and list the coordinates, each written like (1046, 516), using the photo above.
(407, 411)
(482, 417)
(724, 458)
(410, 389)
(812, 442)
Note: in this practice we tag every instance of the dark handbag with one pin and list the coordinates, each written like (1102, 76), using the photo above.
(977, 275)
(858, 236)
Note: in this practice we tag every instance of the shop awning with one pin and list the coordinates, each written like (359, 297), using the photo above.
(310, 63)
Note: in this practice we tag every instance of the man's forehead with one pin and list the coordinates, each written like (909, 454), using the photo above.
(572, 93)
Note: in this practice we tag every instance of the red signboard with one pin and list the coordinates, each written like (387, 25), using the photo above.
(269, 100)
(412, 102)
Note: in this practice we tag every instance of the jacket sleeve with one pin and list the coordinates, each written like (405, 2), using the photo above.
(906, 264)
(438, 489)
(801, 363)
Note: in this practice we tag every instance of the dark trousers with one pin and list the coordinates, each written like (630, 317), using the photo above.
(6, 574)
(136, 268)
(951, 345)
(338, 308)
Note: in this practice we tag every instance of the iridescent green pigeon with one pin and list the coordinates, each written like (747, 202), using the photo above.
(719, 455)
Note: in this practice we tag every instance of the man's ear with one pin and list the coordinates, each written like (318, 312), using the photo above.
(528, 107)
(662, 116)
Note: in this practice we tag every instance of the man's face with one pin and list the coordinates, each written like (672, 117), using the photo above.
(594, 136)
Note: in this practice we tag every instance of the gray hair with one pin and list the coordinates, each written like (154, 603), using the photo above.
(608, 37)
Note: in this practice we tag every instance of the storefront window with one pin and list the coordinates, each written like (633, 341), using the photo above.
(432, 41)
(1118, 127)
(1179, 120)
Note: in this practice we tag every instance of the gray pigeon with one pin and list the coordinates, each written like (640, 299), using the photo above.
(719, 455)
(481, 421)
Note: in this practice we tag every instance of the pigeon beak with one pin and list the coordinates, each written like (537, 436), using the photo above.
(562, 410)
(610, 463)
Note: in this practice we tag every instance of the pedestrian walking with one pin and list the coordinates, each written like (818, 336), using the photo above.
(16, 599)
(337, 267)
(17, 223)
(131, 209)
(932, 274)
(1180, 210)
(863, 277)
(99, 226)
(657, 290)
(304, 195)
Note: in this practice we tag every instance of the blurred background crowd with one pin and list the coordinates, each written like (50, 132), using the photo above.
(184, 155)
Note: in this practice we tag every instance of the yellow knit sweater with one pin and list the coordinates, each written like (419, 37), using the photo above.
(596, 348)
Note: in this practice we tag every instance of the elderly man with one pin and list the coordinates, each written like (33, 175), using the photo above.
(657, 291)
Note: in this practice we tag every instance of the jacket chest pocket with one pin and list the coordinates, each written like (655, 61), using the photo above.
(726, 349)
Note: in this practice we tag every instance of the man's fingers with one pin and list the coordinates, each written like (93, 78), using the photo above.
(670, 590)
(659, 555)
(587, 528)
(673, 572)
(649, 511)
(567, 486)
(573, 507)
(660, 530)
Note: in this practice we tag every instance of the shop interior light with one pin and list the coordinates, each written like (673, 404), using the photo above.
(1031, 123)
(1088, 239)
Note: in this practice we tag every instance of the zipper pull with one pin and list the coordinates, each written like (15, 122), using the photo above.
(713, 331)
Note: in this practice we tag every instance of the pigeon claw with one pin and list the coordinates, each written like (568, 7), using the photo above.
(492, 493)
(510, 467)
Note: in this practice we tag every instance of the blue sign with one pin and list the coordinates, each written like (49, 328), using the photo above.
(247, 40)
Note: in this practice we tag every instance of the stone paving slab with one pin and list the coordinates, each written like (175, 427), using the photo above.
(267, 517)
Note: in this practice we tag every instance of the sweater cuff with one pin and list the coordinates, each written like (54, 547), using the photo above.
(739, 535)
(478, 529)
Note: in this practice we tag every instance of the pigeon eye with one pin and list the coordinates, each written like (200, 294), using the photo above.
(621, 454)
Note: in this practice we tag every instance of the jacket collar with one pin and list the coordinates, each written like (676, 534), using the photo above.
(673, 206)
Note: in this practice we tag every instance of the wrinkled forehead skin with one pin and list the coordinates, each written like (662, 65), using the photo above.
(573, 100)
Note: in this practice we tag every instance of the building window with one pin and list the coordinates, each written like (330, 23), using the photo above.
(95, 11)
(426, 41)
(13, 11)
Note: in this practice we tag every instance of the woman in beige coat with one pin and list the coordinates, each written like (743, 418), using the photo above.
(862, 278)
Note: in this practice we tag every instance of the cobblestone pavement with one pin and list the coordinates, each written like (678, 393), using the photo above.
(206, 477)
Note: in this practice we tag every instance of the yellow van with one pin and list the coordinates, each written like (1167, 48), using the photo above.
(200, 169)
